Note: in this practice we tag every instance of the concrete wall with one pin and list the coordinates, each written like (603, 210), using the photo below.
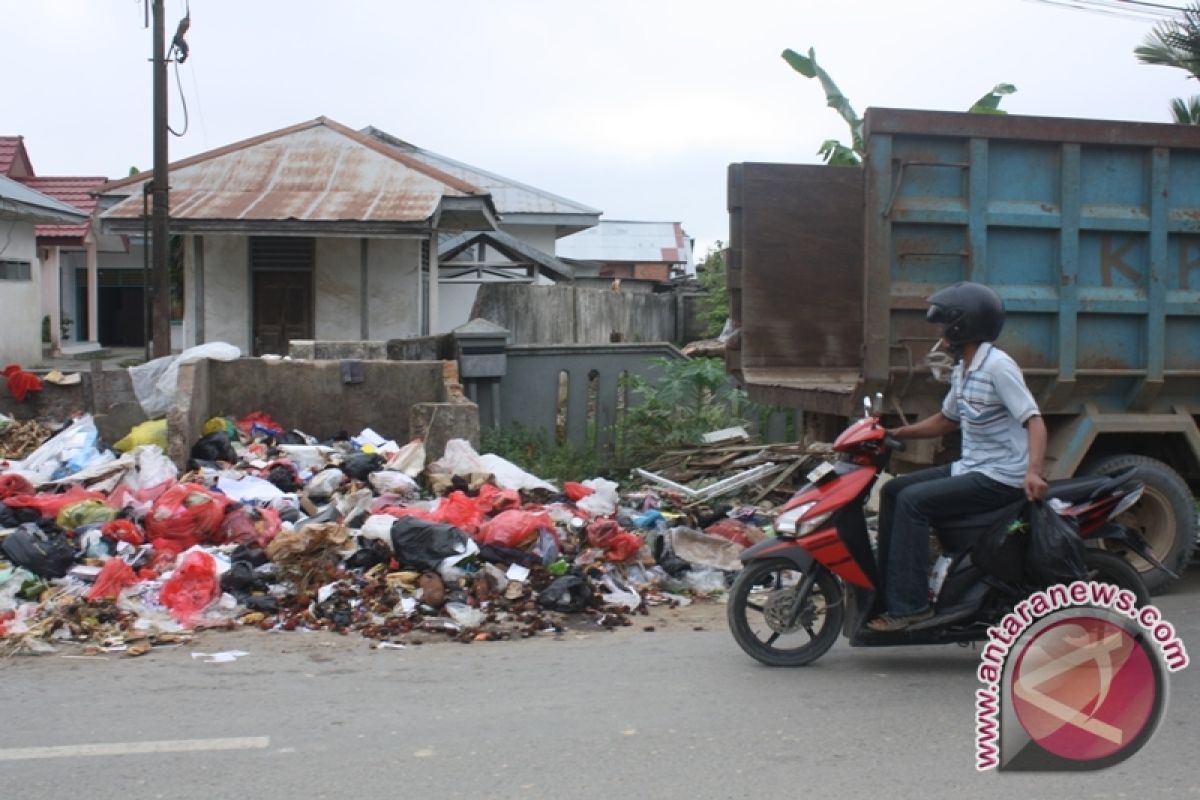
(566, 314)
(227, 290)
(337, 281)
(399, 399)
(393, 288)
(21, 301)
(107, 395)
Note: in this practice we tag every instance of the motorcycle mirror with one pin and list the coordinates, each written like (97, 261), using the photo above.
(866, 406)
(878, 407)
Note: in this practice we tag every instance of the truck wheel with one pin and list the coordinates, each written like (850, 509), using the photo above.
(1165, 516)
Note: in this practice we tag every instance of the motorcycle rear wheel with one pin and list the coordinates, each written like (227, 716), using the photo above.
(758, 606)
(1105, 567)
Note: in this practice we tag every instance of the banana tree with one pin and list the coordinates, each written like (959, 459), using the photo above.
(838, 154)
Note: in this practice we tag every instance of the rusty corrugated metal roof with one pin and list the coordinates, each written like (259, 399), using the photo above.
(319, 171)
(510, 196)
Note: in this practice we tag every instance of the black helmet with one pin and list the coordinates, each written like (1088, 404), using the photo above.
(968, 312)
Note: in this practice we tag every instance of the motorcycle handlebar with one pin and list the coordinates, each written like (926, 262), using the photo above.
(893, 442)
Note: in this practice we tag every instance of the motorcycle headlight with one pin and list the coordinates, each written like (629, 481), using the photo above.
(790, 521)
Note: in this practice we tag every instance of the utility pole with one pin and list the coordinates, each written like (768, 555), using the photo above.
(160, 327)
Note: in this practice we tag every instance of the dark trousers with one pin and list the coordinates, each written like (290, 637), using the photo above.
(909, 506)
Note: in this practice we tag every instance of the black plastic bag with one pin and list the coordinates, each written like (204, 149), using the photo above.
(423, 545)
(1055, 553)
(45, 554)
(495, 554)
(284, 479)
(240, 578)
(567, 593)
(7, 518)
(250, 553)
(1000, 550)
(214, 447)
(370, 553)
(360, 466)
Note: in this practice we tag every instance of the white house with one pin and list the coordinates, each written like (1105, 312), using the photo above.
(21, 210)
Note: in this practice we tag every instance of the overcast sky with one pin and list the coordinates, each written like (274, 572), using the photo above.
(635, 108)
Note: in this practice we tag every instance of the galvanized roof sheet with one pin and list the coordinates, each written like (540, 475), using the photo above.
(629, 240)
(510, 197)
(18, 201)
(317, 171)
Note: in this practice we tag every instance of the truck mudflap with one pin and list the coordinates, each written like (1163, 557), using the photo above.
(1119, 534)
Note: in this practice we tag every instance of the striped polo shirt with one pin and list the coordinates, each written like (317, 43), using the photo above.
(991, 404)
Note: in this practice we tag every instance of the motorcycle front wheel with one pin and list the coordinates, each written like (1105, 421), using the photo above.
(769, 625)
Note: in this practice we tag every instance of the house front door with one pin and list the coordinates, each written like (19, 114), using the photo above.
(283, 309)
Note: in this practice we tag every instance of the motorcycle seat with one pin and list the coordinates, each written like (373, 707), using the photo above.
(1076, 490)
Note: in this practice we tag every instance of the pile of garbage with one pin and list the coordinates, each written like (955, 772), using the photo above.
(114, 550)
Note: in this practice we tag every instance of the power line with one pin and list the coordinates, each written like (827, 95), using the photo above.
(1133, 10)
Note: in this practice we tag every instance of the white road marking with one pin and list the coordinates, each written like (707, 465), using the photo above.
(134, 748)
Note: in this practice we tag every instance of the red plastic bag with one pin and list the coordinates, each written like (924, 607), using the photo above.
(192, 587)
(20, 382)
(576, 491)
(618, 544)
(735, 531)
(493, 500)
(12, 484)
(257, 424)
(124, 530)
(459, 510)
(115, 576)
(249, 525)
(48, 505)
(185, 515)
(514, 528)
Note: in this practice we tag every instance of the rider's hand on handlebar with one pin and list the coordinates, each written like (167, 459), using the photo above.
(1035, 486)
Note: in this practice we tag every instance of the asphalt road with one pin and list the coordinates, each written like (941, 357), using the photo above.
(673, 713)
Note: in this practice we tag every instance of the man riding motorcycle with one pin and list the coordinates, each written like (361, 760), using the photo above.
(1003, 445)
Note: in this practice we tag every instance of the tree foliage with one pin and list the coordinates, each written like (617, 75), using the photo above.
(1176, 44)
(838, 154)
(710, 274)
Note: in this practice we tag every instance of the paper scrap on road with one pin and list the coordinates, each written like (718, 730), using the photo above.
(223, 657)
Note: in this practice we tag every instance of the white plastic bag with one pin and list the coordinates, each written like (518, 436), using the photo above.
(509, 476)
(388, 482)
(378, 527)
(465, 616)
(325, 483)
(154, 382)
(460, 459)
(153, 467)
(67, 453)
(603, 500)
(410, 459)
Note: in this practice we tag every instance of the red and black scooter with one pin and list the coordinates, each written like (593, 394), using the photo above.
(819, 576)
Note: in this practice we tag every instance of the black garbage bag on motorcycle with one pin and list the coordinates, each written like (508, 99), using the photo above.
(1056, 552)
(1000, 551)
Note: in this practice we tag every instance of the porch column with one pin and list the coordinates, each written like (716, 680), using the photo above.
(433, 284)
(93, 291)
(51, 299)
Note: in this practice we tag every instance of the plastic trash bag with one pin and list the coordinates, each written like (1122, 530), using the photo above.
(461, 511)
(45, 554)
(115, 576)
(465, 616)
(124, 530)
(618, 544)
(20, 383)
(424, 545)
(378, 528)
(185, 515)
(570, 593)
(153, 432)
(153, 470)
(68, 452)
(154, 382)
(192, 587)
(736, 531)
(325, 483)
(387, 481)
(258, 424)
(705, 581)
(1055, 553)
(360, 466)
(12, 484)
(215, 446)
(249, 525)
(86, 512)
(493, 500)
(514, 528)
(247, 488)
(49, 505)
(615, 593)
(703, 550)
(603, 500)
(576, 491)
(509, 476)
(409, 459)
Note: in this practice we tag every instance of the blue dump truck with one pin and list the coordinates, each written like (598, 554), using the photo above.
(1089, 230)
